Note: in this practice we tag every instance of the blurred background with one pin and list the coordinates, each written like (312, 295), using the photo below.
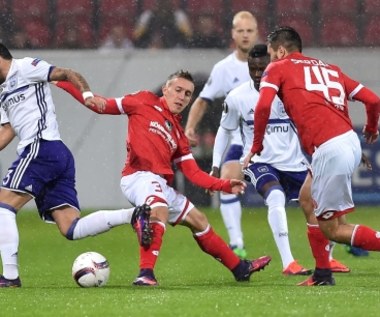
(78, 24)
(124, 46)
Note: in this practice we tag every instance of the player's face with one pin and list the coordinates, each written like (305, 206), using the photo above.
(177, 93)
(256, 67)
(245, 34)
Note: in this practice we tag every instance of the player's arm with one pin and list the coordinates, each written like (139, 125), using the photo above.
(229, 122)
(192, 171)
(110, 107)
(220, 147)
(79, 82)
(261, 117)
(7, 134)
(196, 114)
(372, 104)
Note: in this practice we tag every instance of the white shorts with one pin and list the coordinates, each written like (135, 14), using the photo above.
(333, 164)
(148, 188)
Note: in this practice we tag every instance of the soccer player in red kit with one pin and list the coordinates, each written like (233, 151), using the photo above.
(315, 96)
(155, 141)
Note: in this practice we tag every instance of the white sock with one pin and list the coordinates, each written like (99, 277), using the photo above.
(279, 225)
(101, 221)
(331, 249)
(230, 208)
(9, 240)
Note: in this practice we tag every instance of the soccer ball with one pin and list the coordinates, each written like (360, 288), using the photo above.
(91, 269)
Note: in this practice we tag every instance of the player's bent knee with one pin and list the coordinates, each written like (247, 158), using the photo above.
(196, 220)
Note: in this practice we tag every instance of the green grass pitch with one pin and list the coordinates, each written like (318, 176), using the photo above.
(191, 282)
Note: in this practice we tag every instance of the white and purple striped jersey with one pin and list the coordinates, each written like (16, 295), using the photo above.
(226, 75)
(281, 145)
(26, 101)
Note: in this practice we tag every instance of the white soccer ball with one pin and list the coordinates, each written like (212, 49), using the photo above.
(91, 269)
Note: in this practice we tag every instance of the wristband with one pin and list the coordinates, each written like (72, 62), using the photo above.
(87, 94)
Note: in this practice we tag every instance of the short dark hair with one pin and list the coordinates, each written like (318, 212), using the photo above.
(4, 52)
(259, 50)
(181, 74)
(287, 37)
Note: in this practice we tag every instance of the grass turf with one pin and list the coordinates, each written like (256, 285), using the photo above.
(191, 282)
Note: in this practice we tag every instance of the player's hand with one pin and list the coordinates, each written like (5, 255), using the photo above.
(366, 162)
(370, 137)
(98, 102)
(214, 172)
(247, 160)
(237, 186)
(192, 136)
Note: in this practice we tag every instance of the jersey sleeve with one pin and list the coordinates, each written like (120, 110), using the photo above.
(230, 114)
(228, 122)
(357, 91)
(113, 105)
(220, 146)
(213, 88)
(261, 117)
(270, 77)
(36, 70)
(192, 171)
(269, 87)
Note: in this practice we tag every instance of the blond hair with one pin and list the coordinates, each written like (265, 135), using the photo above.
(242, 15)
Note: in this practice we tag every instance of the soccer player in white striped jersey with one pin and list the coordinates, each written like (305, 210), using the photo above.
(44, 170)
(227, 74)
(280, 171)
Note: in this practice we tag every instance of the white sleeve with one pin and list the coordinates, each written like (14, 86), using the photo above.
(213, 88)
(220, 146)
(35, 70)
(230, 116)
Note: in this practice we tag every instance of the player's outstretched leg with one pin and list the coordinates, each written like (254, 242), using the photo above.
(149, 256)
(141, 224)
(213, 244)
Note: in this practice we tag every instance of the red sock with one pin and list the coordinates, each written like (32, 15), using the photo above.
(366, 238)
(212, 244)
(319, 245)
(148, 257)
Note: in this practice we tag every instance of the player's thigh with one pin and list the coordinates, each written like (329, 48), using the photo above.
(333, 165)
(60, 192)
(305, 191)
(145, 188)
(14, 199)
(148, 188)
(292, 181)
(231, 169)
(263, 177)
(306, 201)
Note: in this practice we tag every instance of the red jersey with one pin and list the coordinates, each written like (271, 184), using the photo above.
(155, 138)
(315, 96)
